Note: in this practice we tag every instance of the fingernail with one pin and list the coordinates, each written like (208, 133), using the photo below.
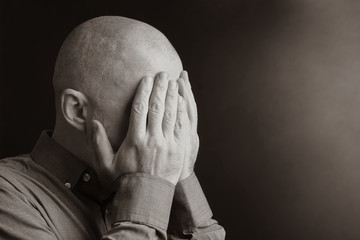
(163, 75)
(163, 81)
(148, 80)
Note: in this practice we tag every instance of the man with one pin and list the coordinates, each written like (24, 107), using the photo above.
(119, 84)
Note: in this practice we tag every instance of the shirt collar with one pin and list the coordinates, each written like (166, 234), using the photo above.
(57, 160)
(73, 172)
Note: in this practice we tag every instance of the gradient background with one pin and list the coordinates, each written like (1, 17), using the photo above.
(277, 86)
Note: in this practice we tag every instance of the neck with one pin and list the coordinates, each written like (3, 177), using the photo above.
(75, 142)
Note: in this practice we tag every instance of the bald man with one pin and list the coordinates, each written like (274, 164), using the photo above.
(119, 163)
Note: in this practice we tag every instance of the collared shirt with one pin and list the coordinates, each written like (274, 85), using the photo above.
(50, 194)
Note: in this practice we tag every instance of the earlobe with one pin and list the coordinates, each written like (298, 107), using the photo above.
(74, 105)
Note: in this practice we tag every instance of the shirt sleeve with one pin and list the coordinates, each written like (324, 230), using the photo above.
(140, 209)
(27, 225)
(191, 216)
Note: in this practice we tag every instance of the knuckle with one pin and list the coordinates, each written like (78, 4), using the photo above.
(179, 125)
(169, 114)
(156, 107)
(135, 139)
(139, 107)
(156, 143)
(133, 142)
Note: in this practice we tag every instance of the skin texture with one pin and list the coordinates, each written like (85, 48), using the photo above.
(155, 142)
(97, 73)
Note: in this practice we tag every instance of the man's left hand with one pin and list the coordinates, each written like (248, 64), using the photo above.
(192, 138)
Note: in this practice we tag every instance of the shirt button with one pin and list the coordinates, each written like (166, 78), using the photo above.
(68, 185)
(86, 177)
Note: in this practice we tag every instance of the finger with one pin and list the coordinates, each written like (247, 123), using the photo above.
(184, 75)
(180, 124)
(102, 146)
(171, 105)
(157, 104)
(138, 116)
(190, 103)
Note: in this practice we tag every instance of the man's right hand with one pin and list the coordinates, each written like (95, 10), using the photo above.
(155, 142)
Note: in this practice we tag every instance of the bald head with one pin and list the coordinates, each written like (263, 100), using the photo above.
(106, 51)
(105, 58)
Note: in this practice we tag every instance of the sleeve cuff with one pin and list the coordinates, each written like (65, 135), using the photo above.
(144, 199)
(190, 208)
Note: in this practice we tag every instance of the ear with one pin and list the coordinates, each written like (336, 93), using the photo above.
(74, 105)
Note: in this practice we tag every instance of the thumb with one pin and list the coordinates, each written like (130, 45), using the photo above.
(102, 146)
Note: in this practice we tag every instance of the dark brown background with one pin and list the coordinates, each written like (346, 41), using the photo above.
(277, 86)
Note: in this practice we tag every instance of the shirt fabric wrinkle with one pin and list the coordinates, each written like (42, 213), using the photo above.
(45, 195)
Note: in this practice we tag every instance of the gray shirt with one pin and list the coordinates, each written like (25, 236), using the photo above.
(50, 194)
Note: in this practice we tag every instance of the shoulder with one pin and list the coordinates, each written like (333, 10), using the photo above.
(19, 164)
(18, 171)
(13, 171)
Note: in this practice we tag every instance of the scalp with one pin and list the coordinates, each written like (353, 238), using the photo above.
(100, 53)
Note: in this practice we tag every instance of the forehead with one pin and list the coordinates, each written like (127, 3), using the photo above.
(135, 65)
(150, 61)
